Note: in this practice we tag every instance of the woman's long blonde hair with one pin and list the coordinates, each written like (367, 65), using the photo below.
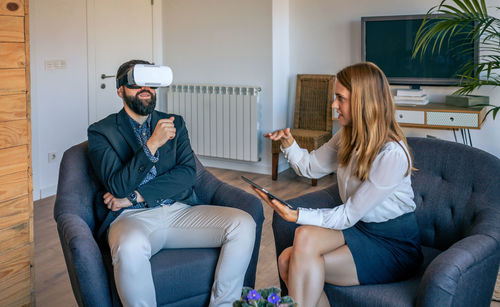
(373, 118)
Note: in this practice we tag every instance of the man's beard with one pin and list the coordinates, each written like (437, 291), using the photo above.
(134, 103)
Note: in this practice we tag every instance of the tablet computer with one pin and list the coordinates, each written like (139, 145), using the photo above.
(271, 196)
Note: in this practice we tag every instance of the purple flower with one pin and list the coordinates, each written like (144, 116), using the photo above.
(253, 295)
(273, 298)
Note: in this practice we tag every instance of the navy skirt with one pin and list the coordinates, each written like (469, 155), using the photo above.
(385, 252)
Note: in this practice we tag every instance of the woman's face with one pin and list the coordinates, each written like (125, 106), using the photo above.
(342, 104)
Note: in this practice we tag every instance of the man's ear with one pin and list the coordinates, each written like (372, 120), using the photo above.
(119, 91)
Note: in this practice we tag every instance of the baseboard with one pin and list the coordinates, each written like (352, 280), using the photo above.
(48, 191)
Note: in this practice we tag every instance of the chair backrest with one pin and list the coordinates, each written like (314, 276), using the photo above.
(313, 99)
(77, 185)
(457, 191)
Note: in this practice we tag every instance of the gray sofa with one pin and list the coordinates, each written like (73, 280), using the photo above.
(182, 277)
(457, 192)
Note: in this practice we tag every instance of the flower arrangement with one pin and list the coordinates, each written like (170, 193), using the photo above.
(268, 297)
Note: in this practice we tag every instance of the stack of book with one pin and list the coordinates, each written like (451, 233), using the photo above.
(411, 97)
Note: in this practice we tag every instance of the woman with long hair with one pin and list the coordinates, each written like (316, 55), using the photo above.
(372, 237)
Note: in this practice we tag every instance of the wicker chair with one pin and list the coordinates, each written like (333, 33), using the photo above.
(312, 123)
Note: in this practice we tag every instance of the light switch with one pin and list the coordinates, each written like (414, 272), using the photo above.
(55, 64)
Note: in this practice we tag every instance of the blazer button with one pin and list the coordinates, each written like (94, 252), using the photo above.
(141, 169)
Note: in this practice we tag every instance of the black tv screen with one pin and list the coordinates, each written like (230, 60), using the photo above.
(388, 42)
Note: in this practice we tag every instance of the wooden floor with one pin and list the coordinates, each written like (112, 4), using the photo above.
(52, 285)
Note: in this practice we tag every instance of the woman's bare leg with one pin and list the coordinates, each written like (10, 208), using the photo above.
(283, 262)
(306, 269)
(323, 300)
(340, 269)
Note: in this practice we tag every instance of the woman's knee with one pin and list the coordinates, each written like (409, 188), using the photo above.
(303, 242)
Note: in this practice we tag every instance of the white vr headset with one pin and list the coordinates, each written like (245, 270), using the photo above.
(146, 75)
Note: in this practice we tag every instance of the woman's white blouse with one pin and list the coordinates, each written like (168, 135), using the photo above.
(386, 194)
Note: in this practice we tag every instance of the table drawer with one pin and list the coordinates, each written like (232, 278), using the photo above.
(410, 117)
(453, 119)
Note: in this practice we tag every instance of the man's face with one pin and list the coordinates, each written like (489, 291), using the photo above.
(142, 100)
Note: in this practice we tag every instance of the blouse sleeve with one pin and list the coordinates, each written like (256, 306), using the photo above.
(317, 163)
(387, 172)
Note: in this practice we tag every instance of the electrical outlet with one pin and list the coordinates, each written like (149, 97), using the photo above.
(52, 156)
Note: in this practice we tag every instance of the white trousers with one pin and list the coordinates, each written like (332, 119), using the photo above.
(137, 234)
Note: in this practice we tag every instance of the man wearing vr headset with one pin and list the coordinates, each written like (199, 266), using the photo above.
(144, 161)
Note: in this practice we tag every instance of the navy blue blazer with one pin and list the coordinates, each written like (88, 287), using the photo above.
(120, 164)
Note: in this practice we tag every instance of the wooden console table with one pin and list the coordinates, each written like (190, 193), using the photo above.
(442, 116)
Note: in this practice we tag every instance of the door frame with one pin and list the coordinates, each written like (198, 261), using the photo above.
(91, 53)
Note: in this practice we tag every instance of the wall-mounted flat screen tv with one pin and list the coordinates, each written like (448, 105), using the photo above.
(388, 42)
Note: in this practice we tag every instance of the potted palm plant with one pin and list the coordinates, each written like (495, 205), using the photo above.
(469, 20)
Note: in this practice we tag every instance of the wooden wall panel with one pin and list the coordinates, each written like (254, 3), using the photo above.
(13, 80)
(16, 200)
(13, 160)
(13, 185)
(11, 29)
(13, 237)
(13, 133)
(13, 107)
(12, 55)
(12, 7)
(14, 215)
(15, 275)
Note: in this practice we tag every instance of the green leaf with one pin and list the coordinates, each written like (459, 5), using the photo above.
(286, 299)
(244, 292)
(434, 32)
(495, 112)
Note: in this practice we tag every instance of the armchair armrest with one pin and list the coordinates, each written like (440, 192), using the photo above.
(284, 231)
(84, 261)
(230, 196)
(462, 275)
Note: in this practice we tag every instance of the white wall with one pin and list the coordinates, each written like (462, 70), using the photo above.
(325, 36)
(227, 42)
(59, 105)
(237, 42)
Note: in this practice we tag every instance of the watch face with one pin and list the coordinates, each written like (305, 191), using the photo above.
(132, 197)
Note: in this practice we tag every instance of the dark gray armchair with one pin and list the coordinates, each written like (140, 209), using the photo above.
(457, 192)
(182, 277)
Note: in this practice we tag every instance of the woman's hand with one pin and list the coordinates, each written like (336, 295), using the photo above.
(115, 204)
(286, 213)
(282, 135)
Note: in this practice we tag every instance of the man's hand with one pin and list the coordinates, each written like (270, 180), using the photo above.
(115, 204)
(282, 135)
(164, 131)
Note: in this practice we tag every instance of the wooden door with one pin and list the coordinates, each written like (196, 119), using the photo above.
(16, 202)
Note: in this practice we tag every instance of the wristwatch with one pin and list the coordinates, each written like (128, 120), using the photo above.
(133, 198)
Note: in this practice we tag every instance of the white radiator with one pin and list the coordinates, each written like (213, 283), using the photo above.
(221, 120)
